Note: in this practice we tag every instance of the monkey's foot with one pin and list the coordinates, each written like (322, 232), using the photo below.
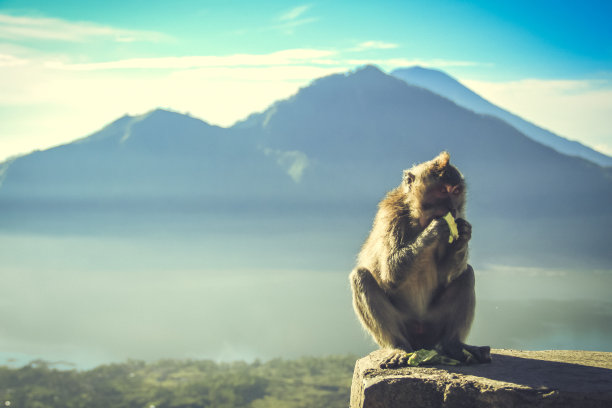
(398, 358)
(479, 354)
(467, 354)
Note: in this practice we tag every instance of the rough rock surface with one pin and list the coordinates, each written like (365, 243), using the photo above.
(554, 378)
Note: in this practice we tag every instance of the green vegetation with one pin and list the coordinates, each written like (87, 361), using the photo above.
(306, 382)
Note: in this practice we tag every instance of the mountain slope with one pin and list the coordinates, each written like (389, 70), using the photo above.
(373, 125)
(359, 130)
(444, 85)
(150, 160)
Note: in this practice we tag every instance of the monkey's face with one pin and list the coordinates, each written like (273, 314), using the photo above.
(441, 198)
(435, 188)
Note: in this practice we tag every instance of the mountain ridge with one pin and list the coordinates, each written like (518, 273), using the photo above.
(329, 152)
(447, 86)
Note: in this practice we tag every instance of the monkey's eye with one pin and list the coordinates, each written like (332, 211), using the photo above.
(457, 190)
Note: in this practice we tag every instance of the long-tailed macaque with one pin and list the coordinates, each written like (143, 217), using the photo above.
(413, 289)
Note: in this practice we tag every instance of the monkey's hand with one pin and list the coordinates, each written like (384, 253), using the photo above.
(465, 230)
(401, 257)
(437, 231)
(400, 261)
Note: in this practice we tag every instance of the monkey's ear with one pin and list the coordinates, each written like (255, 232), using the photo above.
(408, 177)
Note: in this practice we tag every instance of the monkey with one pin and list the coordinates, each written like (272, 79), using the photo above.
(411, 288)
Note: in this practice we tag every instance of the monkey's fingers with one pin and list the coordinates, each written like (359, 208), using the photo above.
(399, 358)
(475, 354)
(464, 228)
(482, 354)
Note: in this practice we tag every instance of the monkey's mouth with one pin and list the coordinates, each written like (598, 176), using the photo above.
(442, 211)
(439, 207)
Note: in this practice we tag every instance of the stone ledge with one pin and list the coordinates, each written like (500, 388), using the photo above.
(555, 378)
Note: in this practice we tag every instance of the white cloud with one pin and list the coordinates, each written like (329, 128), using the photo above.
(11, 60)
(576, 109)
(375, 45)
(392, 63)
(53, 29)
(285, 57)
(294, 13)
(289, 26)
(292, 19)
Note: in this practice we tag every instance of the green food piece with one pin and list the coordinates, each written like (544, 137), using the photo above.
(454, 232)
(429, 357)
(433, 357)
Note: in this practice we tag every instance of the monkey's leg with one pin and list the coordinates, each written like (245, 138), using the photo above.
(380, 317)
(377, 314)
(452, 310)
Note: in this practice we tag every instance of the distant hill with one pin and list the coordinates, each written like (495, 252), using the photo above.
(445, 85)
(328, 153)
(157, 156)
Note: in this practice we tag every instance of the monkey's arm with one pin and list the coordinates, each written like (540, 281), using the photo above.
(402, 257)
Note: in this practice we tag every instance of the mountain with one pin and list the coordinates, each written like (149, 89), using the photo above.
(307, 174)
(358, 130)
(364, 126)
(444, 85)
(160, 155)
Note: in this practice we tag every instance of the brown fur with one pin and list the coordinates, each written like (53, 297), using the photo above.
(411, 288)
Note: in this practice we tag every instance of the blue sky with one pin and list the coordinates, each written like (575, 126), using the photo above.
(69, 67)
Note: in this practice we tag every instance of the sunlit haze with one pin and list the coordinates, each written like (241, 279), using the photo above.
(66, 71)
(158, 236)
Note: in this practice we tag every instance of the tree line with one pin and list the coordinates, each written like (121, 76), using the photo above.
(301, 383)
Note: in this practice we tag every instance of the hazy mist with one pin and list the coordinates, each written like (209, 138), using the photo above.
(90, 300)
(161, 236)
